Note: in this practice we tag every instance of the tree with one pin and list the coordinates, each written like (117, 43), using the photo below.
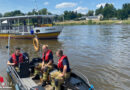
(17, 13)
(126, 8)
(34, 12)
(59, 18)
(79, 15)
(121, 14)
(43, 11)
(13, 13)
(124, 12)
(99, 11)
(90, 13)
(49, 13)
(109, 11)
(0, 15)
(8, 14)
(40, 12)
(71, 15)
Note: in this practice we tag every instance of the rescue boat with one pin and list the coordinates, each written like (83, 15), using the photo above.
(22, 79)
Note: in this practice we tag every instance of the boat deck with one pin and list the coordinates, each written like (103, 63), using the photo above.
(28, 82)
(33, 85)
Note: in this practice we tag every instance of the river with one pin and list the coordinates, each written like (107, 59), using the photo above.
(100, 52)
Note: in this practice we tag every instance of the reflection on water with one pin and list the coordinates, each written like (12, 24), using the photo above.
(100, 52)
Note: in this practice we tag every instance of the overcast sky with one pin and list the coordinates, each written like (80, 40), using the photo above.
(57, 6)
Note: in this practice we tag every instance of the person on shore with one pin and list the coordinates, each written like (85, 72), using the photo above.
(58, 77)
(16, 58)
(45, 66)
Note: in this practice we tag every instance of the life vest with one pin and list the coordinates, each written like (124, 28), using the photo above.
(15, 60)
(60, 61)
(46, 59)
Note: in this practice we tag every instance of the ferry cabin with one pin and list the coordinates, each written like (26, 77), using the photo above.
(25, 26)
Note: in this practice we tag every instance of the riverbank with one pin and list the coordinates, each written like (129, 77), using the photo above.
(93, 22)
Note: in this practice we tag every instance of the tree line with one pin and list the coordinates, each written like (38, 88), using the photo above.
(108, 12)
(19, 13)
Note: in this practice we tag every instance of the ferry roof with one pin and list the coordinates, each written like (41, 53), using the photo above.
(27, 16)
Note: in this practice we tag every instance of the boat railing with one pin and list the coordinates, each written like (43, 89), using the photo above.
(18, 79)
(83, 77)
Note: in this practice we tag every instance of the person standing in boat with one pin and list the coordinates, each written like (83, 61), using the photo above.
(58, 77)
(45, 66)
(16, 58)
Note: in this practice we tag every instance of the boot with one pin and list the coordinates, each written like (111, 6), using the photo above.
(44, 84)
(37, 77)
(53, 88)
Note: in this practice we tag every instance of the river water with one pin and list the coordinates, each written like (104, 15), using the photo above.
(100, 52)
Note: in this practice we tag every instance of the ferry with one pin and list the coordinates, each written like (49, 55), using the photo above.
(29, 26)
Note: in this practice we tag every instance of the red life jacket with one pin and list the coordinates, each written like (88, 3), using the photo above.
(60, 62)
(15, 60)
(46, 59)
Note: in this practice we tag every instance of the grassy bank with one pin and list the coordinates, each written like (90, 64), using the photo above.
(93, 22)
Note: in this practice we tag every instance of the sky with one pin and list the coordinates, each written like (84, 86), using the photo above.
(57, 6)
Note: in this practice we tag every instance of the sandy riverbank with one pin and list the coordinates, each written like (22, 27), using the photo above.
(93, 22)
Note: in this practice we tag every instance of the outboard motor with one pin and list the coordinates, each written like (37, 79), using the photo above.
(24, 67)
(33, 63)
(26, 57)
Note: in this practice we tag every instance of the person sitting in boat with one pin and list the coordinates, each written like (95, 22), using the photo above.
(45, 66)
(16, 58)
(58, 77)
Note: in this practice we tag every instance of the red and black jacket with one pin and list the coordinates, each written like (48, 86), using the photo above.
(60, 62)
(45, 56)
(14, 59)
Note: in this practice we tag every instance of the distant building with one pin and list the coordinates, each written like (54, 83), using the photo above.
(128, 18)
(82, 18)
(99, 17)
(114, 18)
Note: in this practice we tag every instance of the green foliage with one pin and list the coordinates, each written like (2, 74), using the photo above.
(33, 12)
(121, 14)
(0, 15)
(90, 13)
(43, 11)
(13, 13)
(40, 12)
(109, 11)
(124, 12)
(71, 15)
(99, 10)
(90, 22)
(59, 18)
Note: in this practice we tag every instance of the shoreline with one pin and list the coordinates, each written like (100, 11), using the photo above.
(93, 22)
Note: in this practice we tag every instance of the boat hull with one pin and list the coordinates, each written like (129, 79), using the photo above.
(53, 35)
